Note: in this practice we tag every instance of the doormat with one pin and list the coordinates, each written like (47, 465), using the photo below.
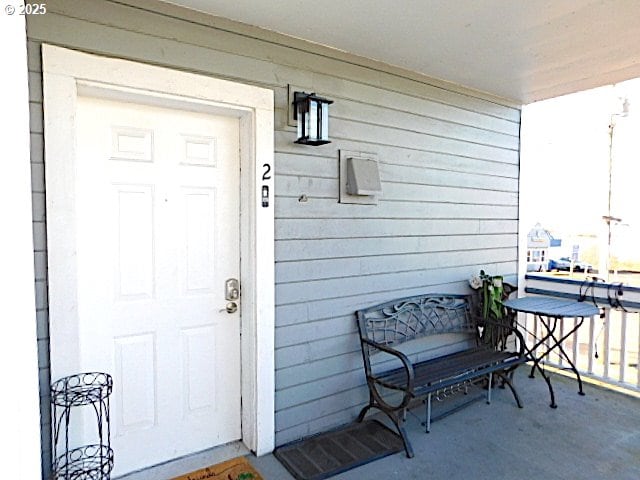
(337, 451)
(235, 469)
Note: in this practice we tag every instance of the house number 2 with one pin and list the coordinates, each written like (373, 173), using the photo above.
(265, 188)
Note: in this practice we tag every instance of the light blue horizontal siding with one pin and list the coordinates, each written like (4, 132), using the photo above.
(313, 290)
(313, 163)
(306, 270)
(449, 165)
(290, 250)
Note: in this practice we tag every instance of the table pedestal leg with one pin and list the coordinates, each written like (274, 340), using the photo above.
(550, 328)
(536, 364)
(558, 344)
(553, 403)
(549, 332)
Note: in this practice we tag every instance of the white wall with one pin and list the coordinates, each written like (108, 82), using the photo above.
(19, 405)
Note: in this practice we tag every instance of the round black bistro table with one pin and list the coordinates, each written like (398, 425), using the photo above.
(549, 311)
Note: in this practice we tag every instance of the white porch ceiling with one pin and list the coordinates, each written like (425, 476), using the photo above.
(520, 50)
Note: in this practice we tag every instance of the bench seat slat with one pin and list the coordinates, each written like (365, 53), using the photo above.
(436, 373)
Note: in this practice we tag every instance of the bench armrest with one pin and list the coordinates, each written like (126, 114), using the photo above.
(407, 365)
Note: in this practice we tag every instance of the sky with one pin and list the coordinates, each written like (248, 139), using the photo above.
(565, 164)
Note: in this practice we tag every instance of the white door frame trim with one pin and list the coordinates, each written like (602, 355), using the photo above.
(65, 74)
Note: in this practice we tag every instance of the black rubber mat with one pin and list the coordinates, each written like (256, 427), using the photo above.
(330, 453)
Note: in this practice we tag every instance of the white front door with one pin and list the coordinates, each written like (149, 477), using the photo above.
(157, 215)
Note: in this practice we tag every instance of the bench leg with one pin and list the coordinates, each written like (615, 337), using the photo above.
(398, 420)
(363, 412)
(405, 440)
(489, 389)
(428, 421)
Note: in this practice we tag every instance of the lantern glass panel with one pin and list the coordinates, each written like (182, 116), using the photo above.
(307, 121)
(303, 118)
(324, 131)
(299, 129)
(313, 119)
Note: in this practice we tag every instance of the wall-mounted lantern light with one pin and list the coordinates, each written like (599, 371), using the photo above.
(312, 114)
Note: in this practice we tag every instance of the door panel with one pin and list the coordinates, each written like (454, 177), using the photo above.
(157, 206)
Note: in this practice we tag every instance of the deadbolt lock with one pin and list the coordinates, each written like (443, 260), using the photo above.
(232, 289)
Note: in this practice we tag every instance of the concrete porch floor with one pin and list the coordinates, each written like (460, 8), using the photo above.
(596, 436)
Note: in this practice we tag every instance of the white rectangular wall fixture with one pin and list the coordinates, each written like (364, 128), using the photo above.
(359, 178)
(362, 176)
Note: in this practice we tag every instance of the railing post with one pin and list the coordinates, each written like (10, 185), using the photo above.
(561, 326)
(638, 355)
(575, 345)
(606, 353)
(623, 345)
(592, 342)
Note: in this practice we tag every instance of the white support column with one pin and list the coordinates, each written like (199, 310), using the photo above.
(527, 191)
(19, 403)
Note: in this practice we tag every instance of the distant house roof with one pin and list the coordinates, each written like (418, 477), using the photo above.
(539, 237)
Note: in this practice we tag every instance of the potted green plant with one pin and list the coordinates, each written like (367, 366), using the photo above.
(489, 293)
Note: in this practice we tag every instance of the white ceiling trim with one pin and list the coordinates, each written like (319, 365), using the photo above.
(523, 51)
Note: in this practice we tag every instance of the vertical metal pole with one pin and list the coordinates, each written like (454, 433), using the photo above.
(428, 422)
(54, 435)
(67, 457)
(606, 263)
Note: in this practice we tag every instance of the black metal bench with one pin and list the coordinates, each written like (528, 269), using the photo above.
(483, 351)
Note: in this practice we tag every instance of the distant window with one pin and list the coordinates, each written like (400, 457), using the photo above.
(536, 255)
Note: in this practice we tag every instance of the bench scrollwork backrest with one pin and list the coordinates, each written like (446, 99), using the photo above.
(409, 318)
